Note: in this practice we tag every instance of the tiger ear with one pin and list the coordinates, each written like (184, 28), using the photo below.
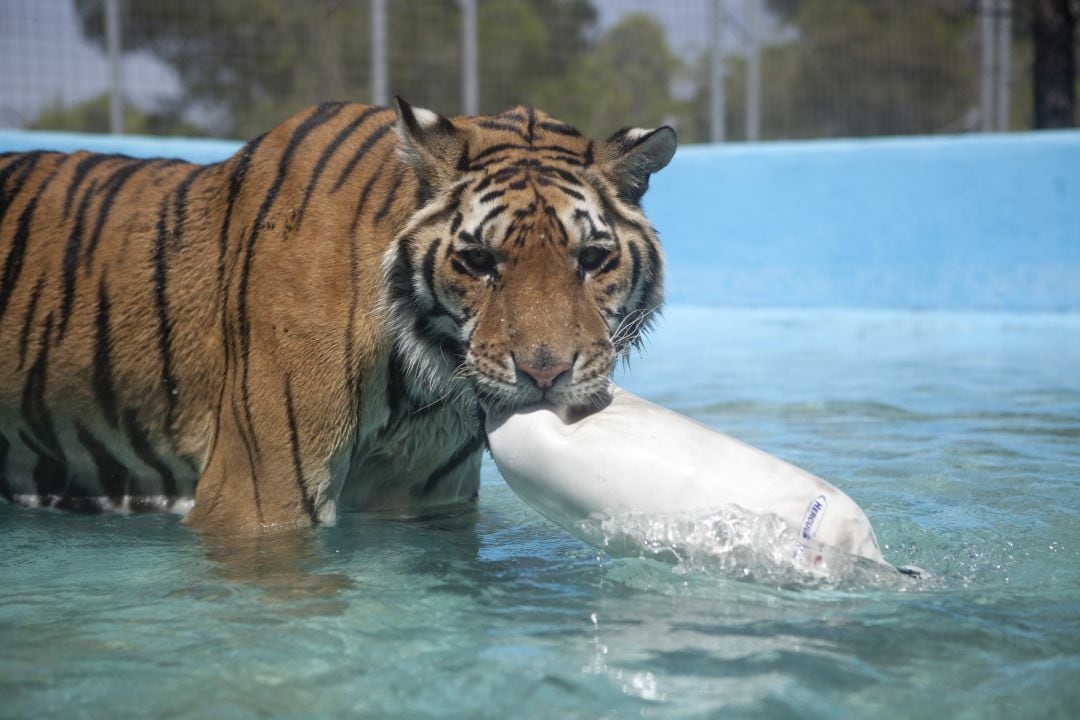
(631, 155)
(432, 144)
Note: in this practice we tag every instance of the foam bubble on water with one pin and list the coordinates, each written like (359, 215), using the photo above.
(733, 542)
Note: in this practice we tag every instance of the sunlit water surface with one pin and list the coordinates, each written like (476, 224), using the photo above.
(959, 434)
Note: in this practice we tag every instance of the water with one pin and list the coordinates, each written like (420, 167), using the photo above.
(959, 434)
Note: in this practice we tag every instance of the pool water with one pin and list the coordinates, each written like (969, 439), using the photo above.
(959, 434)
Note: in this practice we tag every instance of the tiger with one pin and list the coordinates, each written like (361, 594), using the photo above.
(319, 322)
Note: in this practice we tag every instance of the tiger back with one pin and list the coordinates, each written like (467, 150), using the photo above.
(317, 322)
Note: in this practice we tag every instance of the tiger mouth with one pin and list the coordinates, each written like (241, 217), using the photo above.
(499, 397)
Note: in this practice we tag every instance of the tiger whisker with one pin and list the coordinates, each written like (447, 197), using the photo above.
(630, 326)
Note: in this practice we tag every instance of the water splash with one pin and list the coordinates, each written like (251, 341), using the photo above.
(733, 542)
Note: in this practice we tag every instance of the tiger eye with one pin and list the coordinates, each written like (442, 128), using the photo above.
(591, 257)
(479, 259)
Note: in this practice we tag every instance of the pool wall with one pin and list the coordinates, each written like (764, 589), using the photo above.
(949, 222)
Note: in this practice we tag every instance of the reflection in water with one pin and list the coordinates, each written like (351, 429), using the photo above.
(297, 565)
(435, 549)
(284, 563)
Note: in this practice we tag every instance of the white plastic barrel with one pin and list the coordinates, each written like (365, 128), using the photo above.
(634, 457)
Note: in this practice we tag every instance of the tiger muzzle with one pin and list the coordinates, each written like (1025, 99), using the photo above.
(544, 369)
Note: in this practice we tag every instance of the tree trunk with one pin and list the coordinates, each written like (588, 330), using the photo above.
(1055, 64)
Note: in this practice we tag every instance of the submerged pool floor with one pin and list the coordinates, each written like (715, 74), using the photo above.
(959, 434)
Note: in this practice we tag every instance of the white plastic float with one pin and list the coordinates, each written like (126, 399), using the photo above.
(635, 458)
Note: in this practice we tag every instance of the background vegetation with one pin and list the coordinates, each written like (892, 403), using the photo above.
(830, 67)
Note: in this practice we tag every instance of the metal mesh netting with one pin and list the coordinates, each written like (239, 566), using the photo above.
(715, 69)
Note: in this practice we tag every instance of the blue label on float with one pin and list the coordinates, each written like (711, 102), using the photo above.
(814, 515)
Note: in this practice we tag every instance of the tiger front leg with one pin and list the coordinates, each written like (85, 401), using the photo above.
(271, 461)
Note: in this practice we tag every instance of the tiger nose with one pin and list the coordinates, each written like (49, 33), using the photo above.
(545, 375)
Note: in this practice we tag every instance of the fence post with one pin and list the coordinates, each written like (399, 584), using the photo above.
(1004, 28)
(753, 70)
(116, 70)
(379, 74)
(470, 75)
(986, 65)
(716, 71)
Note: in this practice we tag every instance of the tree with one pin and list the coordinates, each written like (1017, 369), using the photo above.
(1054, 68)
(93, 116)
(626, 79)
(249, 63)
(525, 44)
(869, 67)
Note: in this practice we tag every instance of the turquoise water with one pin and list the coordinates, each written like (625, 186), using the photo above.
(959, 434)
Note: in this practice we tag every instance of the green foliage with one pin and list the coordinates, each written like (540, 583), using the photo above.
(858, 68)
(93, 116)
(250, 63)
(626, 79)
(873, 69)
(425, 53)
(843, 67)
(870, 67)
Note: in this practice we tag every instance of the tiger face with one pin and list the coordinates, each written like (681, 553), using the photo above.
(529, 267)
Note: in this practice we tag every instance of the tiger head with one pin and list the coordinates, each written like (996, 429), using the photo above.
(529, 266)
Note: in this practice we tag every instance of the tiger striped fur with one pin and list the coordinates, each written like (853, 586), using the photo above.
(316, 322)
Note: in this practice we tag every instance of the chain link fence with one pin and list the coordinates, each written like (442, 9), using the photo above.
(715, 69)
